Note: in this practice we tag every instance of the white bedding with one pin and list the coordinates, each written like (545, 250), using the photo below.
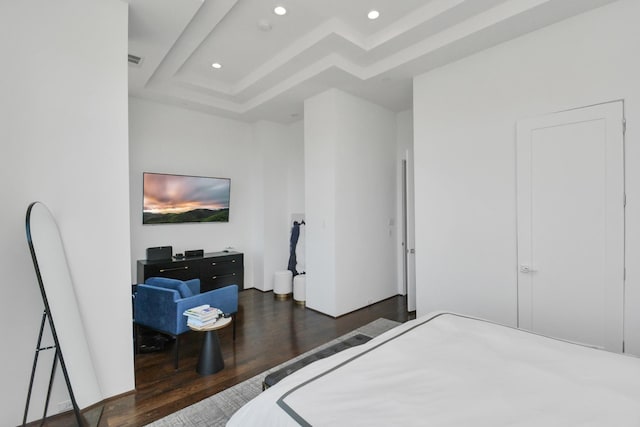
(450, 370)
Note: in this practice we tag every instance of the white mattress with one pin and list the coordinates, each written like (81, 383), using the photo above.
(450, 370)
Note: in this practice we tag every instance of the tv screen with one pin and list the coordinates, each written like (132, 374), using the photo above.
(172, 199)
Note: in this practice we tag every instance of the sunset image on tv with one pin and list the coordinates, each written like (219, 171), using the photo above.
(170, 199)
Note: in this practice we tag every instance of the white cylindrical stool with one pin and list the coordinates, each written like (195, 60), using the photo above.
(282, 284)
(300, 289)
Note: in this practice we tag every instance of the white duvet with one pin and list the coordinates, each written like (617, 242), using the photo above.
(451, 370)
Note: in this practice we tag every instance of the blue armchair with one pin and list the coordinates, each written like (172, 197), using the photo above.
(160, 302)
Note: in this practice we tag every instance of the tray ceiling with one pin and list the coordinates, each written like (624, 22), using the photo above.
(271, 64)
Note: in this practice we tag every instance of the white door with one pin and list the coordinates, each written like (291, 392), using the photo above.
(408, 245)
(571, 225)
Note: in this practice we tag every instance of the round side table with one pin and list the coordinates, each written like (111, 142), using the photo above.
(211, 360)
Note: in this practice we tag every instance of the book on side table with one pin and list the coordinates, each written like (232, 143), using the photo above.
(202, 316)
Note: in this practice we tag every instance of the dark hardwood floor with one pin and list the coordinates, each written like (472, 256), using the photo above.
(269, 332)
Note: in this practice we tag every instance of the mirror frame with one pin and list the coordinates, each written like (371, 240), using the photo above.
(63, 313)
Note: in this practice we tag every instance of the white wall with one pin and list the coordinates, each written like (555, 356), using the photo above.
(465, 116)
(350, 153)
(263, 161)
(295, 168)
(279, 175)
(64, 142)
(320, 207)
(168, 139)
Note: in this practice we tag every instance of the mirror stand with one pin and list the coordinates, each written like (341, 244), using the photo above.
(56, 357)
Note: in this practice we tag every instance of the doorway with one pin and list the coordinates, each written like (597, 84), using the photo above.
(570, 168)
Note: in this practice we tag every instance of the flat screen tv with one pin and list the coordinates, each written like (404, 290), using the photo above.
(172, 199)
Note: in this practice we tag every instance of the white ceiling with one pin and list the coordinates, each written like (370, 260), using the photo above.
(317, 45)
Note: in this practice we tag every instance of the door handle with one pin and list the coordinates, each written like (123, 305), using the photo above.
(526, 269)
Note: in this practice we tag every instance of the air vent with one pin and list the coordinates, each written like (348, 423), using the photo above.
(134, 60)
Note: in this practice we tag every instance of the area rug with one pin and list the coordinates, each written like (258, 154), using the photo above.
(217, 409)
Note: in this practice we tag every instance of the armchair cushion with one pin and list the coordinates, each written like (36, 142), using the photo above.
(182, 287)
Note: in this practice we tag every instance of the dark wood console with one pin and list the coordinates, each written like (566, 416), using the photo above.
(215, 270)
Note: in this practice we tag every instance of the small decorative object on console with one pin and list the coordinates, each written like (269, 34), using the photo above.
(194, 253)
(159, 253)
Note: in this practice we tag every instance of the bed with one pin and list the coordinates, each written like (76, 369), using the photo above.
(446, 369)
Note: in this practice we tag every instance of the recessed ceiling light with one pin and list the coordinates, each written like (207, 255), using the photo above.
(374, 14)
(279, 10)
(216, 65)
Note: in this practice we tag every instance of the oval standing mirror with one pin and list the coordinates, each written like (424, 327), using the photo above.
(63, 314)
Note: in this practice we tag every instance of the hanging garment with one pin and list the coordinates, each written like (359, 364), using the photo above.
(295, 233)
